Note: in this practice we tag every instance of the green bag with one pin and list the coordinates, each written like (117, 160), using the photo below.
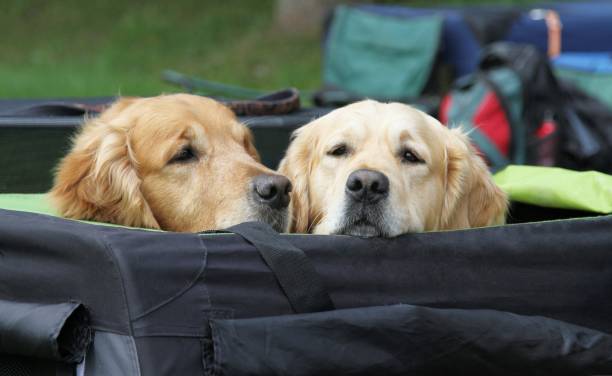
(378, 56)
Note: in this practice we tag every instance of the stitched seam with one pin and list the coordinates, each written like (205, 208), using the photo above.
(178, 294)
(203, 284)
(110, 252)
(216, 363)
(135, 362)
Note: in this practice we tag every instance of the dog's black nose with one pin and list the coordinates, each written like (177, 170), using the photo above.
(367, 185)
(272, 190)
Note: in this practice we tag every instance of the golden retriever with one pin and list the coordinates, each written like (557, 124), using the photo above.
(375, 169)
(173, 162)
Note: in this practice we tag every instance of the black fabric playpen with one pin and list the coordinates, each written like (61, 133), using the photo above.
(532, 298)
(517, 299)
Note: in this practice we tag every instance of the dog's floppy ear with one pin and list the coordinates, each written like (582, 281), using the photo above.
(472, 199)
(98, 179)
(296, 165)
(249, 145)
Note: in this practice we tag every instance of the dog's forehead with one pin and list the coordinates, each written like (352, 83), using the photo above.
(171, 116)
(367, 120)
(405, 123)
(161, 126)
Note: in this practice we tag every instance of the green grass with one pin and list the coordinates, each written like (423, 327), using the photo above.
(66, 48)
(107, 47)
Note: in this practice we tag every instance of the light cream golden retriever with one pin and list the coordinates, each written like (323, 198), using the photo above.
(174, 162)
(374, 169)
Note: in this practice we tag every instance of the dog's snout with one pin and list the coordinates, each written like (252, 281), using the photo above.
(272, 190)
(367, 185)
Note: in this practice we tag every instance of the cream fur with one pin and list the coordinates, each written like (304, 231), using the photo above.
(452, 189)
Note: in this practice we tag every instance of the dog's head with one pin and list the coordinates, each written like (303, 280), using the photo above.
(174, 162)
(373, 169)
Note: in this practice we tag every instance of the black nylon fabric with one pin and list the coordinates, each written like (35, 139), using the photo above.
(557, 269)
(403, 339)
(14, 365)
(597, 118)
(172, 356)
(155, 283)
(58, 332)
(45, 259)
(163, 283)
(293, 270)
(169, 285)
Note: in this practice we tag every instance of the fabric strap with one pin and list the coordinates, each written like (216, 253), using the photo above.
(294, 272)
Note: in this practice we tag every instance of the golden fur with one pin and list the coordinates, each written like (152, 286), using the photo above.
(450, 188)
(122, 167)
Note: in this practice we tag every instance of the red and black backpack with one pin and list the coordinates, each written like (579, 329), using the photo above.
(511, 107)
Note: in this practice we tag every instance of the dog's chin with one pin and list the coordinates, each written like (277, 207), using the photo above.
(362, 230)
(364, 220)
(277, 219)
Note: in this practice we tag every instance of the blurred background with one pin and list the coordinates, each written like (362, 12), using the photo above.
(75, 48)
(530, 80)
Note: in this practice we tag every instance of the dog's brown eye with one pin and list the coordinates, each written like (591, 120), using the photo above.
(409, 157)
(338, 150)
(187, 154)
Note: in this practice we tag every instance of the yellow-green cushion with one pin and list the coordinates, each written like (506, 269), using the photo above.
(37, 203)
(28, 202)
(557, 188)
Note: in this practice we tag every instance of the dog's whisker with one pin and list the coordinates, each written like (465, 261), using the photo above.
(314, 221)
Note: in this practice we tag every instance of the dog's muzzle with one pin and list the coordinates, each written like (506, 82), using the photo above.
(366, 192)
